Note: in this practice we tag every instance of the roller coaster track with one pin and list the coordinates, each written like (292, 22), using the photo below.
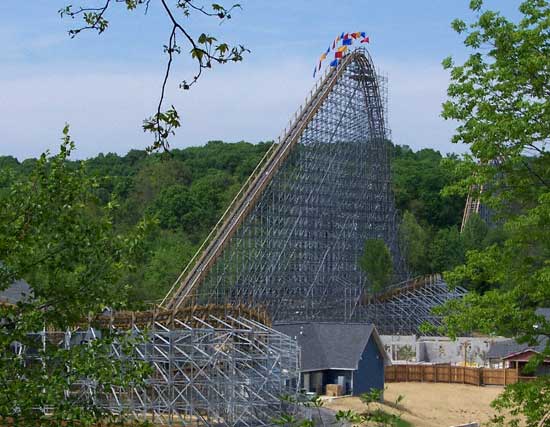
(397, 290)
(192, 316)
(245, 200)
(473, 206)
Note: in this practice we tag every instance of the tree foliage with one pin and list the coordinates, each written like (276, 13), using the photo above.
(188, 190)
(205, 48)
(58, 237)
(500, 97)
(414, 243)
(376, 262)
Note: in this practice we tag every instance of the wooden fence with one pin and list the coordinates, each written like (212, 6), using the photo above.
(450, 374)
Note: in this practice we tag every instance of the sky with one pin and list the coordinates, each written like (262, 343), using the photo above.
(105, 85)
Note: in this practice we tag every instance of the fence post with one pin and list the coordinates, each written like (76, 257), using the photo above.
(480, 376)
(407, 373)
(435, 373)
(504, 377)
(450, 373)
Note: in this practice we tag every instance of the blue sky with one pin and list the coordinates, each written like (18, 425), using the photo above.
(105, 85)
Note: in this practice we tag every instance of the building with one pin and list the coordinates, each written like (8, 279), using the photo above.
(348, 354)
(15, 293)
(512, 354)
(468, 351)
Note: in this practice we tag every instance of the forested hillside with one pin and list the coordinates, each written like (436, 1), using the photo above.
(187, 190)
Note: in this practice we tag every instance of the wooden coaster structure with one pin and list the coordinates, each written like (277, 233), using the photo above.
(193, 316)
(291, 237)
(405, 306)
(212, 365)
(285, 249)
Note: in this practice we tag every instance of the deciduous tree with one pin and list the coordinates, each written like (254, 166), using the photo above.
(377, 263)
(501, 98)
(57, 237)
(204, 48)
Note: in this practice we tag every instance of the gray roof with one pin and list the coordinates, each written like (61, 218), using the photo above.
(501, 349)
(16, 292)
(331, 345)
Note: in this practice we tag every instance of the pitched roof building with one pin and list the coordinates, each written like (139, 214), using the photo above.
(512, 354)
(350, 355)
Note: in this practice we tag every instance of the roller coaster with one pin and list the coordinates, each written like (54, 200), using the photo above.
(291, 239)
(287, 248)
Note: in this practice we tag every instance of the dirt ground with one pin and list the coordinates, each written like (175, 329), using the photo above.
(433, 405)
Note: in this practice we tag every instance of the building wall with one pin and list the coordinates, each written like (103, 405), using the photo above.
(409, 348)
(370, 373)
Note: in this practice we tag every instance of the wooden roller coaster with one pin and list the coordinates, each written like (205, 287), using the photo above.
(195, 316)
(249, 194)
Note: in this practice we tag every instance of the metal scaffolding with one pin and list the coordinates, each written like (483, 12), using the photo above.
(291, 241)
(288, 245)
(404, 307)
(207, 370)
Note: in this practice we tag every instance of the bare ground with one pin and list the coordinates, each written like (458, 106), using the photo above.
(433, 405)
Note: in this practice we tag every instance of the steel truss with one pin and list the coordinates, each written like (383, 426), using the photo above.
(228, 371)
(402, 309)
(296, 250)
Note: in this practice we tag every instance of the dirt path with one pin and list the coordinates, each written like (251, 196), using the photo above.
(434, 405)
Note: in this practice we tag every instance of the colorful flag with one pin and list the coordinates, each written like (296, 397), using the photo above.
(323, 56)
(342, 48)
(334, 43)
(363, 34)
(346, 36)
(365, 40)
(342, 35)
(319, 65)
(314, 71)
(354, 35)
(338, 54)
(347, 42)
(334, 63)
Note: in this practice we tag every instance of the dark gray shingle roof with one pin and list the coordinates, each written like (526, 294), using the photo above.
(501, 349)
(330, 345)
(16, 292)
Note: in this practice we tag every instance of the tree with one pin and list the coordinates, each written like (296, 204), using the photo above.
(474, 233)
(418, 178)
(58, 238)
(205, 49)
(500, 97)
(169, 254)
(175, 207)
(414, 241)
(377, 264)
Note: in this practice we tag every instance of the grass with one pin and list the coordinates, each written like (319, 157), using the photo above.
(388, 419)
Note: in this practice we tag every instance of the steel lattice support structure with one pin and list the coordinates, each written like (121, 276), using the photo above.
(207, 371)
(292, 242)
(402, 309)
